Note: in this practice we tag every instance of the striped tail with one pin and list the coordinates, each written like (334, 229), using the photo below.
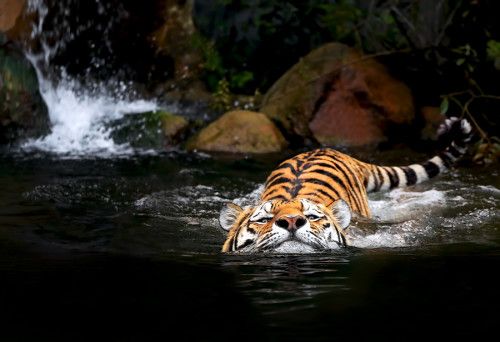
(380, 178)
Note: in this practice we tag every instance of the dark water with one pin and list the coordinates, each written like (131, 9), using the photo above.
(127, 249)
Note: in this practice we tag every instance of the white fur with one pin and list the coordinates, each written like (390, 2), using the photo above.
(420, 172)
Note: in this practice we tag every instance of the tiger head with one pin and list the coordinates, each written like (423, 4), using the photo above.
(284, 225)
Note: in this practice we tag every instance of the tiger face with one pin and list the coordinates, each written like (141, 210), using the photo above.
(284, 226)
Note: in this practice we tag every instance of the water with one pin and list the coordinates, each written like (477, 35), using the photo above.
(102, 241)
(79, 113)
(128, 249)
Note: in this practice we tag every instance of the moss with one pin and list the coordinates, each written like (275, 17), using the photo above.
(22, 110)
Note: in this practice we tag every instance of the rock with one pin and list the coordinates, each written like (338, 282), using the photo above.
(240, 132)
(23, 112)
(337, 96)
(173, 127)
(432, 118)
(156, 129)
(10, 10)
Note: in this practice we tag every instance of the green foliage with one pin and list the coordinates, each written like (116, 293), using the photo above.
(467, 57)
(493, 49)
(341, 18)
(436, 46)
(18, 83)
(214, 69)
(445, 104)
(253, 43)
(222, 96)
(493, 52)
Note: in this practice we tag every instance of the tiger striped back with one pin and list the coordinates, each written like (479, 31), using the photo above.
(322, 176)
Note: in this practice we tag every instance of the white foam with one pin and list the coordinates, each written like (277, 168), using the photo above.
(490, 189)
(293, 247)
(77, 114)
(401, 204)
(251, 198)
(79, 120)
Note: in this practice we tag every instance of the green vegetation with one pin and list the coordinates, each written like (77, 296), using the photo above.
(442, 49)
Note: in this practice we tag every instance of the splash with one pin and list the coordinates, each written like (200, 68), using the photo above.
(79, 120)
(78, 114)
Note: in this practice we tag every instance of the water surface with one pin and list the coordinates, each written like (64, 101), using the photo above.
(127, 248)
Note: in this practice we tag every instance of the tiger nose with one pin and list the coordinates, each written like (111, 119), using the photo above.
(291, 223)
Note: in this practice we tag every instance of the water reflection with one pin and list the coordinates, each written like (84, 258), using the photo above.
(99, 238)
(284, 283)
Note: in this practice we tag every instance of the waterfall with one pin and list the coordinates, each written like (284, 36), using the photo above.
(78, 113)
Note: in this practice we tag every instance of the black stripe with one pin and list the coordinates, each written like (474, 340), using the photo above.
(322, 183)
(339, 165)
(454, 152)
(381, 177)
(277, 181)
(376, 185)
(339, 181)
(299, 163)
(274, 176)
(326, 194)
(343, 240)
(393, 177)
(281, 188)
(431, 168)
(447, 160)
(235, 239)
(297, 185)
(411, 176)
(460, 143)
(246, 243)
(276, 197)
(329, 175)
(312, 194)
(287, 165)
(269, 193)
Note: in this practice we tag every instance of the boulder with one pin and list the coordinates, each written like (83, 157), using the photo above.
(156, 129)
(240, 132)
(23, 112)
(10, 11)
(338, 96)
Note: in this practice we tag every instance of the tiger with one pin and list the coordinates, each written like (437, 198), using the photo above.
(308, 200)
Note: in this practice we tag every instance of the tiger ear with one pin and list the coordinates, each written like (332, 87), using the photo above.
(342, 212)
(228, 215)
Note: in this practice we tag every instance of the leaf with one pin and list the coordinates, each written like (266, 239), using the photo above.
(460, 61)
(444, 106)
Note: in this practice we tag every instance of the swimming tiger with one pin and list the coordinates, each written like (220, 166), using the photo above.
(307, 200)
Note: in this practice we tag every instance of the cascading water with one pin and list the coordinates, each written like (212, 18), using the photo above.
(78, 113)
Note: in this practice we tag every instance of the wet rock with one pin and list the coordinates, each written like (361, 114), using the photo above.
(10, 11)
(240, 132)
(173, 127)
(338, 96)
(23, 112)
(156, 129)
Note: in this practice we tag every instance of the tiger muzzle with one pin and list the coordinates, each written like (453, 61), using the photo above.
(291, 223)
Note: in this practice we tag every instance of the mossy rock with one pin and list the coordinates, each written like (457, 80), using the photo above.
(240, 132)
(338, 96)
(23, 112)
(155, 129)
(173, 127)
